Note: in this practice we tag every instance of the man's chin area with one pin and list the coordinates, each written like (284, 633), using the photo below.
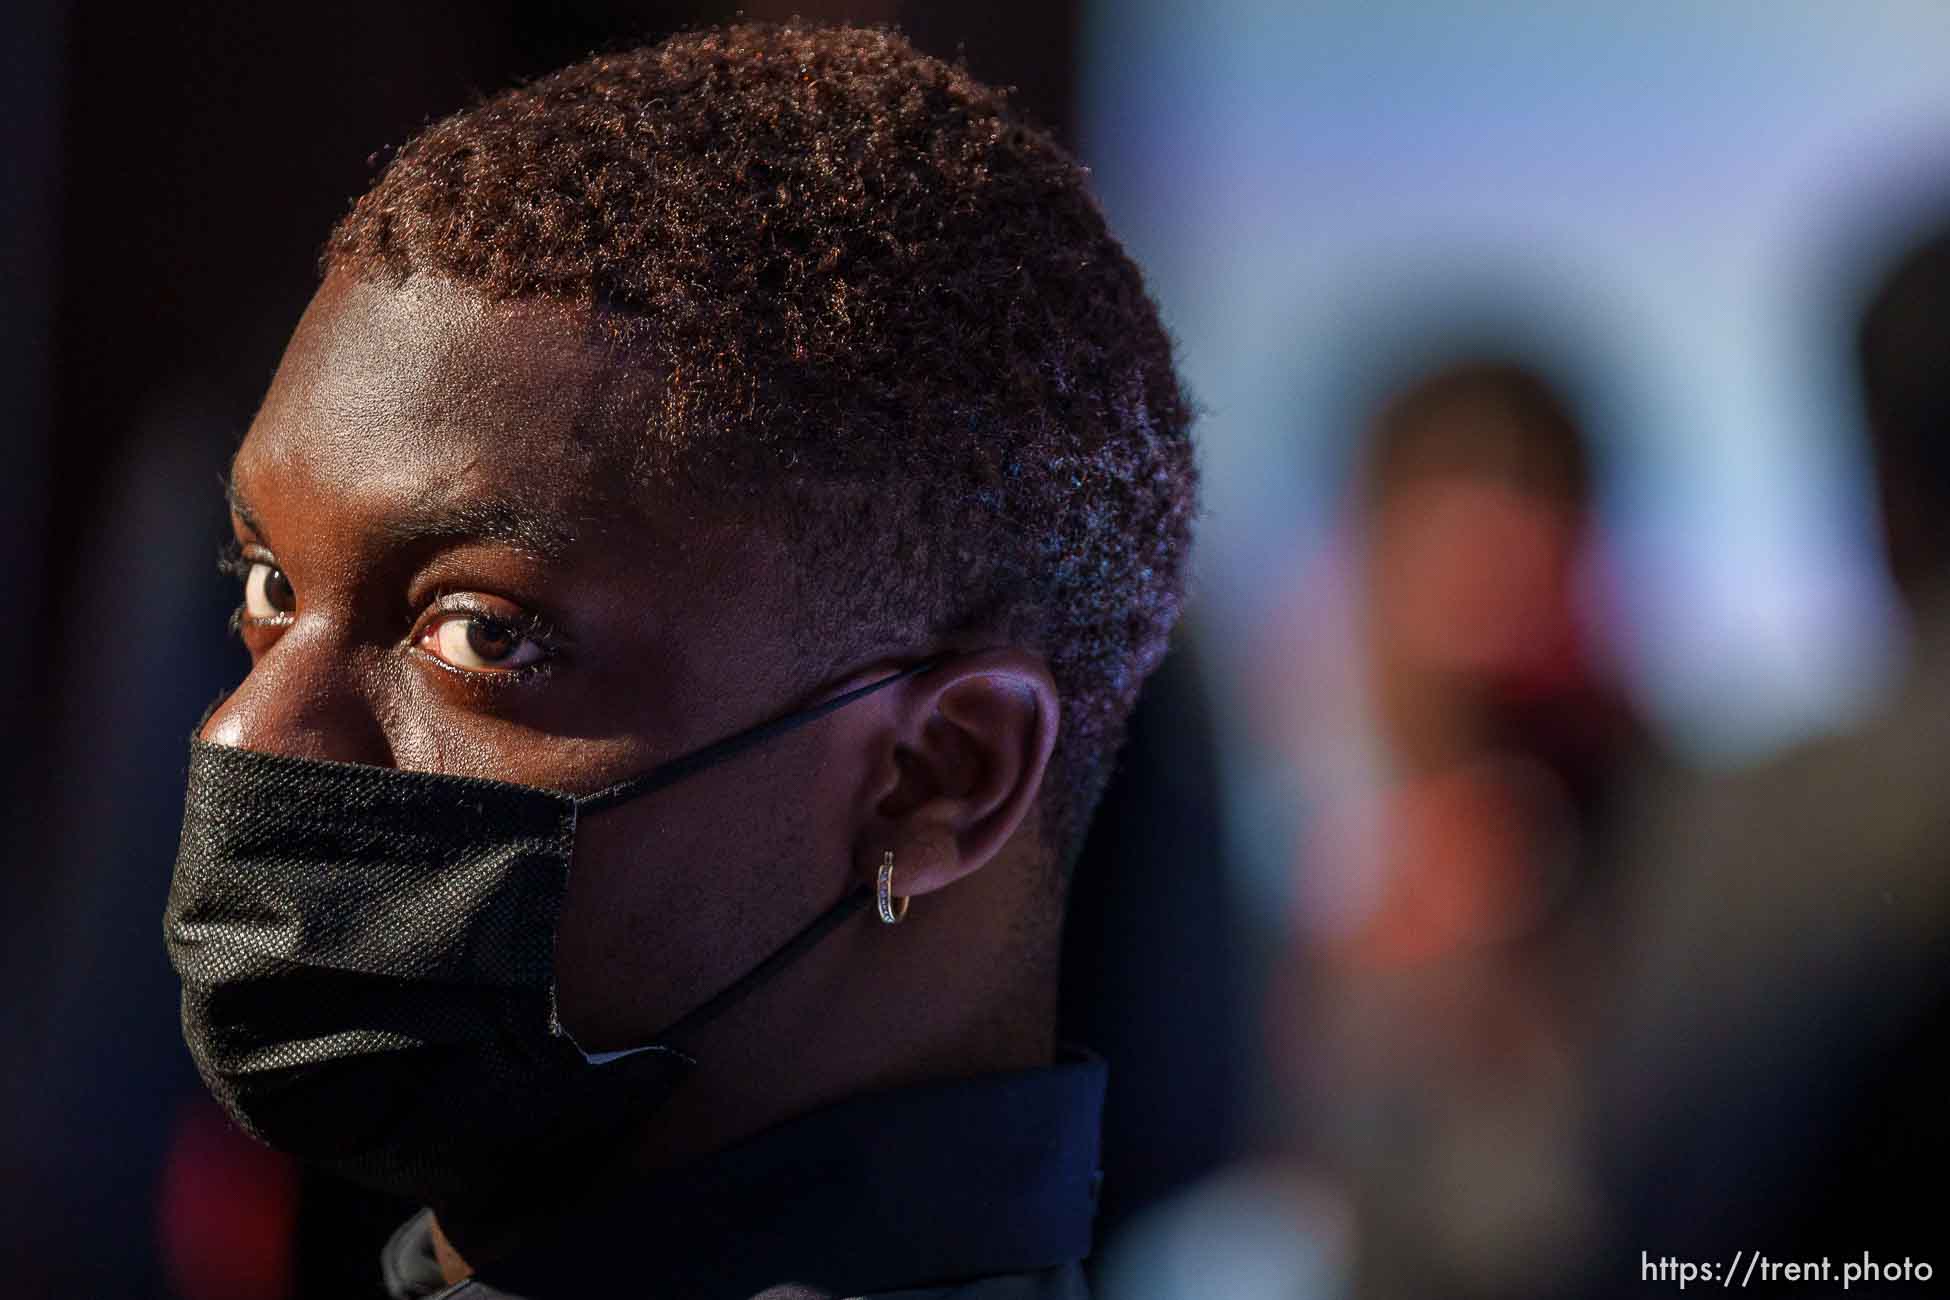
(285, 1109)
(524, 1199)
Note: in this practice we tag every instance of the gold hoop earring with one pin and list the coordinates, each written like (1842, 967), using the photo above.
(884, 892)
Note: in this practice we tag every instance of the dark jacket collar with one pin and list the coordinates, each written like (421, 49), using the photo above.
(938, 1183)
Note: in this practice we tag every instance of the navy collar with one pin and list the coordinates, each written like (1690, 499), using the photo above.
(932, 1184)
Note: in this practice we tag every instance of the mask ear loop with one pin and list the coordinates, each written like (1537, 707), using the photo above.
(711, 755)
(795, 947)
(722, 1001)
(695, 761)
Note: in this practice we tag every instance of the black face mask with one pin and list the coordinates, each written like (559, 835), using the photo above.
(368, 967)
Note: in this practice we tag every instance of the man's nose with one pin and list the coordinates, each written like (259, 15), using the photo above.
(302, 699)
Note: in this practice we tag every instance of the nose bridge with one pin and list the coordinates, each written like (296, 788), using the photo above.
(304, 698)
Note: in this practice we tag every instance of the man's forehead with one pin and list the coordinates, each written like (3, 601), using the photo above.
(433, 405)
(432, 355)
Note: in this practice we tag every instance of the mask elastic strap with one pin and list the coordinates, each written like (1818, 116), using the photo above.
(794, 948)
(730, 747)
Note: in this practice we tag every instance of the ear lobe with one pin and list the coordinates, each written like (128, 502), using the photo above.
(971, 755)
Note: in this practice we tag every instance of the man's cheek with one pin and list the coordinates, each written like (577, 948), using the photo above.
(662, 910)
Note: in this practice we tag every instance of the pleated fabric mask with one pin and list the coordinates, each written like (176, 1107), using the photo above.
(368, 966)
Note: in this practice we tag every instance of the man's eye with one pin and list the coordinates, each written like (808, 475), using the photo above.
(267, 593)
(477, 643)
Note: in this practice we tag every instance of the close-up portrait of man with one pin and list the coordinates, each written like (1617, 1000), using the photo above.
(697, 556)
(928, 650)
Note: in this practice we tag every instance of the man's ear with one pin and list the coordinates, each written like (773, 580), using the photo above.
(971, 741)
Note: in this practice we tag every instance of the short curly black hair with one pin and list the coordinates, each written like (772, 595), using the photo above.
(869, 304)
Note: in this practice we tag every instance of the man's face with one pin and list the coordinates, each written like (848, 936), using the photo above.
(444, 571)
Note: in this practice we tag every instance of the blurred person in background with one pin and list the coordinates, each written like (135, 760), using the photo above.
(1457, 753)
(1778, 1072)
(1433, 1015)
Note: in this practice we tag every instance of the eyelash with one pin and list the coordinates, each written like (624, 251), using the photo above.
(530, 626)
(232, 562)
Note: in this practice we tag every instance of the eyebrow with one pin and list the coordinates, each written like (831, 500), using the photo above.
(234, 498)
(507, 520)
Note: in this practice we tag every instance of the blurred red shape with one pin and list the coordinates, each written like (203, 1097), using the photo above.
(226, 1211)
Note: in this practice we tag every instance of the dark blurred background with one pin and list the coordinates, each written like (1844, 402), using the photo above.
(1546, 632)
